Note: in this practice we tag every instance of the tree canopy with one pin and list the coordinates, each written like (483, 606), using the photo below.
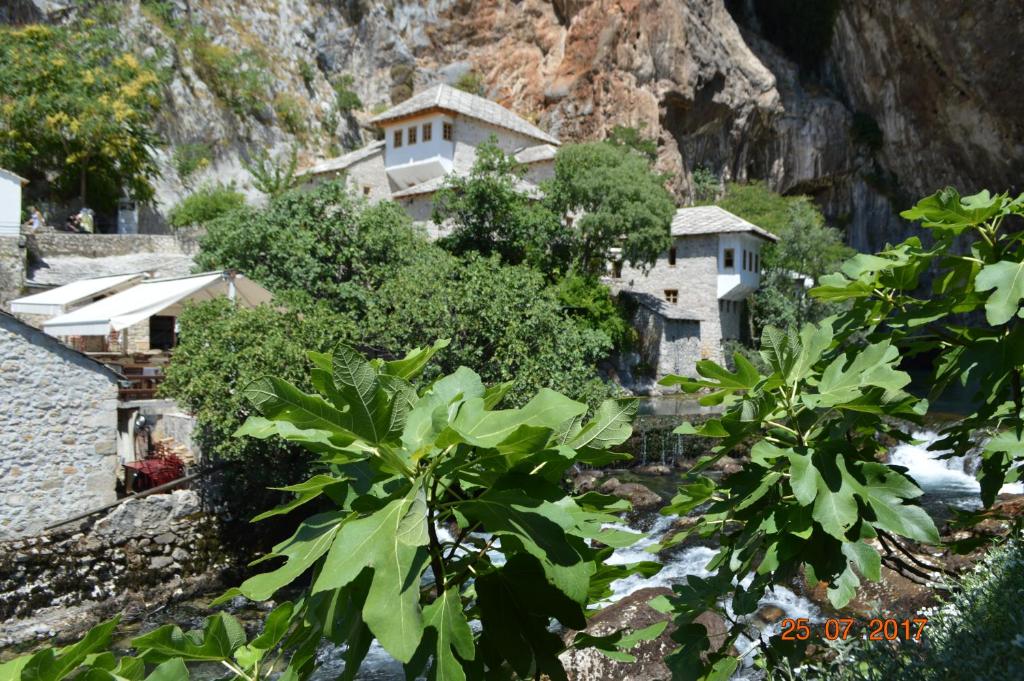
(77, 105)
(614, 199)
(324, 244)
(489, 212)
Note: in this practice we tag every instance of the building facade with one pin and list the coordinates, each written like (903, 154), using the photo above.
(58, 431)
(428, 137)
(700, 282)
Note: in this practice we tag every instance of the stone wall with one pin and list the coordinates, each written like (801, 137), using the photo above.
(58, 432)
(668, 346)
(695, 277)
(147, 545)
(12, 269)
(52, 243)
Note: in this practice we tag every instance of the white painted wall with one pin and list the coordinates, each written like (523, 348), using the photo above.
(413, 163)
(10, 204)
(738, 282)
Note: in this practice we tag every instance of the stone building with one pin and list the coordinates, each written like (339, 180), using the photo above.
(58, 430)
(429, 136)
(692, 299)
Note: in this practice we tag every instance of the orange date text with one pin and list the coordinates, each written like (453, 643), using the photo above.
(801, 629)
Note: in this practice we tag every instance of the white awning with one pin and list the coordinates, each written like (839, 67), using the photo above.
(158, 297)
(58, 300)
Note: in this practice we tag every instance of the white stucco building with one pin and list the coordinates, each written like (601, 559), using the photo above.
(692, 299)
(10, 202)
(430, 135)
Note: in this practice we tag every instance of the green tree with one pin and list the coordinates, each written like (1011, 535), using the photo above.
(326, 244)
(395, 463)
(490, 211)
(614, 200)
(78, 109)
(590, 302)
(506, 322)
(205, 204)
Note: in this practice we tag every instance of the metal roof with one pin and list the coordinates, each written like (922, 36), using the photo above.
(446, 97)
(713, 220)
(343, 162)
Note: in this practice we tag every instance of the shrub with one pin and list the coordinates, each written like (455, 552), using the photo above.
(205, 205)
(290, 113)
(345, 98)
(471, 82)
(190, 158)
(239, 79)
(307, 71)
(272, 175)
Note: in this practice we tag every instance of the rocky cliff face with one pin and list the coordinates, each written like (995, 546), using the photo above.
(910, 96)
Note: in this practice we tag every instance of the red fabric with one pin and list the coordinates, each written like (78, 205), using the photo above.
(157, 471)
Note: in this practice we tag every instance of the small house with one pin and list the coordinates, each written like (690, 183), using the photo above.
(430, 136)
(693, 298)
(58, 430)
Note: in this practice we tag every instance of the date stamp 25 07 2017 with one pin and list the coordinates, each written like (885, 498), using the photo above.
(800, 629)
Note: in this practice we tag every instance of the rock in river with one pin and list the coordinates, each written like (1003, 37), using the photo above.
(638, 495)
(633, 612)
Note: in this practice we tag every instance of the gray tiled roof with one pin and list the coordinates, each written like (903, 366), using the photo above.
(342, 162)
(443, 96)
(433, 184)
(57, 271)
(536, 154)
(662, 308)
(713, 220)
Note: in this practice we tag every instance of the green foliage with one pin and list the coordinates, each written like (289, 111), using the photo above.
(191, 158)
(706, 185)
(489, 212)
(508, 323)
(205, 205)
(631, 138)
(864, 130)
(619, 200)
(290, 113)
(346, 100)
(223, 348)
(396, 463)
(238, 78)
(471, 82)
(307, 71)
(272, 175)
(77, 109)
(813, 490)
(324, 244)
(591, 303)
(970, 633)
